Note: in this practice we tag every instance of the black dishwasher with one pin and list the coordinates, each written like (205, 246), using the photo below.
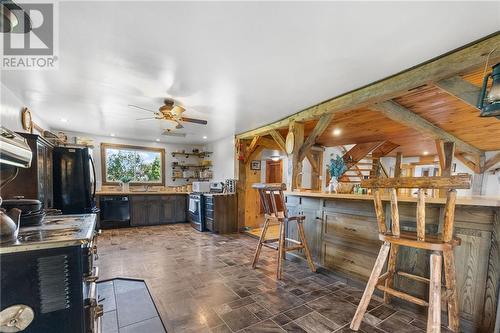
(115, 211)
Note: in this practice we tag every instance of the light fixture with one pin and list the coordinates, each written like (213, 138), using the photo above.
(157, 140)
(275, 158)
(64, 120)
(337, 131)
(112, 134)
(204, 137)
(489, 101)
(426, 152)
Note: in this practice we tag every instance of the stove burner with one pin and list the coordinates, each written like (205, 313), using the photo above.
(45, 235)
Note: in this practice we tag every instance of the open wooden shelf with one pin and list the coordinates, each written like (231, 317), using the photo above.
(200, 154)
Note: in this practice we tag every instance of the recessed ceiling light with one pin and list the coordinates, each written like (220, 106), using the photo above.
(426, 152)
(157, 140)
(337, 131)
(112, 134)
(64, 120)
(204, 137)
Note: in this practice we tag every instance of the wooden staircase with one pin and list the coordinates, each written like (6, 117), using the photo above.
(363, 161)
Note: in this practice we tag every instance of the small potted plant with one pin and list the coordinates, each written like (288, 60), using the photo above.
(125, 183)
(336, 168)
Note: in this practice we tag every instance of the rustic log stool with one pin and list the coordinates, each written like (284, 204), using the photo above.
(441, 246)
(272, 199)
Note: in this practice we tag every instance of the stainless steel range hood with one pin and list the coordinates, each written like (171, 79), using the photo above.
(14, 149)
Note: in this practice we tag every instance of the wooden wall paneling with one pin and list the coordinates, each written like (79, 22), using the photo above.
(493, 278)
(253, 216)
(241, 185)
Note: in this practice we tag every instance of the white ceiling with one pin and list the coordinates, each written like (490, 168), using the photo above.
(237, 64)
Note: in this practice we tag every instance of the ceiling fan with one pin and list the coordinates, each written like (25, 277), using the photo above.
(170, 111)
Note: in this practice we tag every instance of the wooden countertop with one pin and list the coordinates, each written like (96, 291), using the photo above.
(140, 193)
(465, 201)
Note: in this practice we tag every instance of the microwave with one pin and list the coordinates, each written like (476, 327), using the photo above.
(201, 187)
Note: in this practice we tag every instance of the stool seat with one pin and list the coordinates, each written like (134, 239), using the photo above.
(432, 242)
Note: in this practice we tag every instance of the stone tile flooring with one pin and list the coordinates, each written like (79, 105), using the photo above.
(203, 282)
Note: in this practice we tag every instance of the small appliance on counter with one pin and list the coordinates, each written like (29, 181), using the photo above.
(216, 187)
(230, 186)
(201, 187)
(32, 212)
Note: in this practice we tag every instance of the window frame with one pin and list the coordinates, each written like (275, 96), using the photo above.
(105, 146)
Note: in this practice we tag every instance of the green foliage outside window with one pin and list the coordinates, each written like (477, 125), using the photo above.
(134, 165)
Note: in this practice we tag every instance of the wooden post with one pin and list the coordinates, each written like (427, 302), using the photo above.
(434, 312)
(397, 167)
(448, 151)
(421, 215)
(449, 215)
(241, 185)
(294, 163)
(379, 210)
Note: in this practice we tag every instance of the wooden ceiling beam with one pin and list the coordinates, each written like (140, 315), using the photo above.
(251, 148)
(320, 127)
(384, 149)
(268, 143)
(402, 115)
(491, 162)
(312, 161)
(458, 87)
(475, 165)
(279, 139)
(458, 61)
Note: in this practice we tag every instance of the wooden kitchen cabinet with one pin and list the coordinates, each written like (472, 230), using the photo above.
(220, 213)
(157, 209)
(34, 182)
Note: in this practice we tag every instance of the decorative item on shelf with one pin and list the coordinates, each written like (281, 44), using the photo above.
(206, 163)
(125, 183)
(255, 165)
(63, 137)
(27, 120)
(196, 151)
(84, 141)
(336, 168)
(489, 101)
(345, 188)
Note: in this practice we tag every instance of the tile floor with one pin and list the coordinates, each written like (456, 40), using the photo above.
(203, 282)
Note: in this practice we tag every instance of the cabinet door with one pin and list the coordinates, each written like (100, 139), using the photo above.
(180, 208)
(312, 228)
(154, 209)
(167, 209)
(49, 192)
(138, 210)
(41, 152)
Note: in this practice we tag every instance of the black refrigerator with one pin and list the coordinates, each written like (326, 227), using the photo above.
(74, 180)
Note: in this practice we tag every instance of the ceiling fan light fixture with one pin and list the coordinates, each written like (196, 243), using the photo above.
(177, 111)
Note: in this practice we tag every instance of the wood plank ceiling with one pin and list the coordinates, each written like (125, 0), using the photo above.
(429, 102)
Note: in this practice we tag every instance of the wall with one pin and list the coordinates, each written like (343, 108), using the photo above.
(223, 158)
(11, 107)
(169, 148)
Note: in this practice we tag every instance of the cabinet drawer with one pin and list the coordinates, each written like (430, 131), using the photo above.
(209, 224)
(348, 260)
(209, 213)
(350, 227)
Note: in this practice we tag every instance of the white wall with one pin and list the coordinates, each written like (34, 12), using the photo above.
(11, 106)
(223, 158)
(169, 148)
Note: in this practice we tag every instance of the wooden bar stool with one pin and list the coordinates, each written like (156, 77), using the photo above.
(441, 246)
(272, 199)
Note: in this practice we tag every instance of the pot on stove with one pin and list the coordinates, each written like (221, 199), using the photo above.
(9, 223)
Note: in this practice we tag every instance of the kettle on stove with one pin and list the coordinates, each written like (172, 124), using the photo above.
(9, 223)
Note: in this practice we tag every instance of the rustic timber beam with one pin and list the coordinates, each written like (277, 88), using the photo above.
(251, 148)
(320, 127)
(268, 143)
(312, 161)
(279, 139)
(297, 129)
(402, 115)
(475, 165)
(491, 162)
(440, 153)
(458, 87)
(457, 61)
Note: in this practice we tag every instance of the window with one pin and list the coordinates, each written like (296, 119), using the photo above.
(138, 165)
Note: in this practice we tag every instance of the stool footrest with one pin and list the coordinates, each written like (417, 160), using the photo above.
(413, 277)
(270, 246)
(402, 295)
(294, 248)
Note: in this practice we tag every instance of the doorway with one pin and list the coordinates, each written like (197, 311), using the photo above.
(274, 171)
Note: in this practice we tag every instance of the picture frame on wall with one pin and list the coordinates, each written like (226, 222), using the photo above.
(255, 165)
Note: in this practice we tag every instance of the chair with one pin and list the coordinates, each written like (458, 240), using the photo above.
(441, 246)
(272, 198)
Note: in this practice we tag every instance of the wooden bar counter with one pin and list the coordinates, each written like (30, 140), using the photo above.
(341, 230)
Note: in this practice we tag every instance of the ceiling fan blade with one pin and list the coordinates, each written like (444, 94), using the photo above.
(148, 118)
(193, 120)
(138, 107)
(179, 125)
